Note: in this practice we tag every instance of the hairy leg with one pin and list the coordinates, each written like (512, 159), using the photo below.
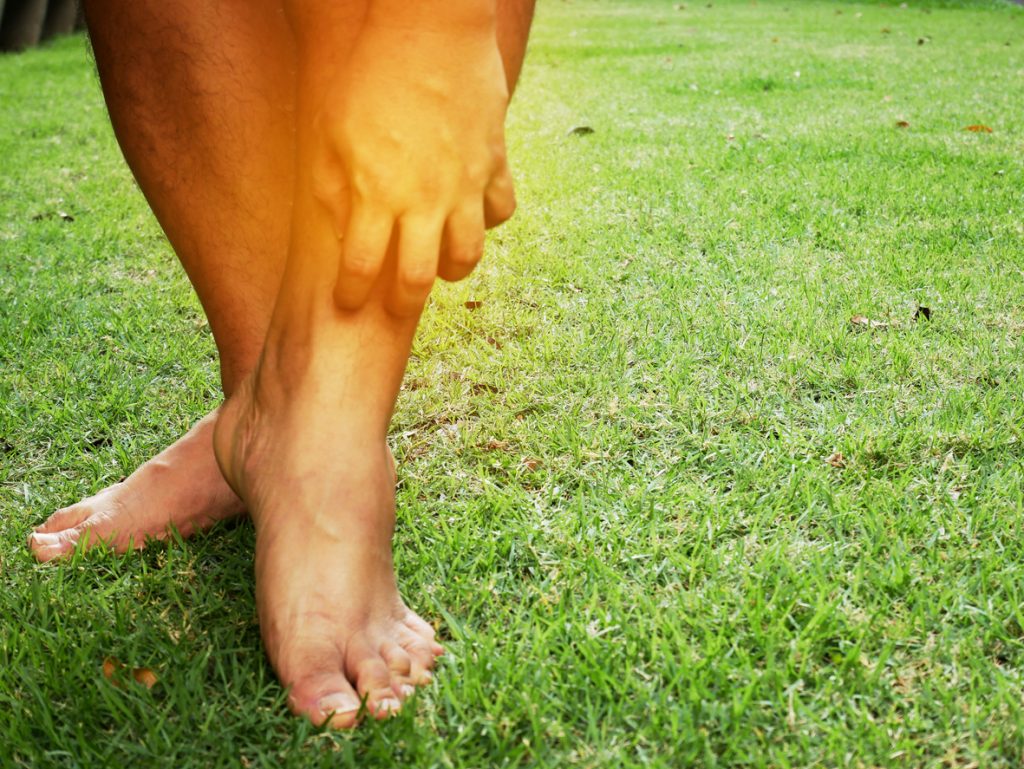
(201, 96)
(302, 442)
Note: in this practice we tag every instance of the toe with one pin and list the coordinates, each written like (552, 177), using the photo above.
(48, 546)
(422, 658)
(373, 681)
(335, 703)
(423, 629)
(397, 659)
(317, 685)
(326, 698)
(405, 672)
(65, 518)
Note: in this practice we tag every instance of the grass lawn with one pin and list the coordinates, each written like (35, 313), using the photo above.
(667, 504)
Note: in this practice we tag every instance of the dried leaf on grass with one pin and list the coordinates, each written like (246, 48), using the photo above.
(581, 130)
(531, 464)
(112, 666)
(144, 676)
(473, 304)
(859, 321)
(836, 460)
(978, 129)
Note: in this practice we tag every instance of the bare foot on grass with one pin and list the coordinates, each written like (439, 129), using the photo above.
(319, 484)
(181, 487)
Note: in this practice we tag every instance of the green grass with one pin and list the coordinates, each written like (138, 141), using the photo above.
(665, 327)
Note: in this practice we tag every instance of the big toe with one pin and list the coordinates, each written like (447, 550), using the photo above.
(326, 698)
(46, 546)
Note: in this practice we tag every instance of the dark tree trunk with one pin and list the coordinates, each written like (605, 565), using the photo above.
(22, 24)
(60, 18)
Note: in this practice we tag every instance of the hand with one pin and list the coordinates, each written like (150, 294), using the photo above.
(413, 133)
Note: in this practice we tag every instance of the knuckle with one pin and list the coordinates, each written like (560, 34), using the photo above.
(360, 266)
(502, 208)
(468, 255)
(476, 174)
(417, 277)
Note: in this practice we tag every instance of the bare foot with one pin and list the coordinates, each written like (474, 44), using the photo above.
(320, 489)
(181, 487)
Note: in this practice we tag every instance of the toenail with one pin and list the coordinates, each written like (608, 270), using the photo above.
(389, 705)
(338, 703)
(44, 539)
(407, 690)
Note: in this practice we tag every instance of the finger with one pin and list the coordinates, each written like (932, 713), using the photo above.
(362, 254)
(419, 241)
(499, 197)
(463, 242)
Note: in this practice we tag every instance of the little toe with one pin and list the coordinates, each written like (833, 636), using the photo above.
(419, 625)
(424, 630)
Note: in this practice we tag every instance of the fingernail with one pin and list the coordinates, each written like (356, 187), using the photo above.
(389, 705)
(339, 702)
(407, 690)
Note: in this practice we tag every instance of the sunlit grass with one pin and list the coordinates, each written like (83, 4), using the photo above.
(616, 495)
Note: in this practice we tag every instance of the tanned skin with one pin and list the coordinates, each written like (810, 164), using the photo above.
(315, 165)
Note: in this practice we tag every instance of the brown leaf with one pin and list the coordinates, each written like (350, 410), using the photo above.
(494, 343)
(484, 387)
(580, 130)
(859, 321)
(836, 460)
(473, 304)
(144, 676)
(110, 667)
(902, 124)
(531, 464)
(495, 445)
(978, 128)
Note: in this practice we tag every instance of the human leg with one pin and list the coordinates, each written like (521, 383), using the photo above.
(301, 442)
(201, 99)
